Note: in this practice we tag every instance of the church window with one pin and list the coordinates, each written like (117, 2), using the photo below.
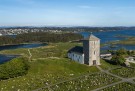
(94, 52)
(94, 44)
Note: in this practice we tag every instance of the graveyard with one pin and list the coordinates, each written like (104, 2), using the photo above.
(124, 72)
(86, 83)
(121, 87)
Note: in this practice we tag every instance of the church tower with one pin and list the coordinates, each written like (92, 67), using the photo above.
(91, 49)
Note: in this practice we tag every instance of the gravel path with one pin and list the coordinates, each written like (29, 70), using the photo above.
(30, 55)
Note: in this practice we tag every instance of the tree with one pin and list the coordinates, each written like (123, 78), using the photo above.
(119, 59)
(121, 52)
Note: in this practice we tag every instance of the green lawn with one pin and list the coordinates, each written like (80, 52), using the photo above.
(21, 51)
(49, 65)
(106, 66)
(52, 50)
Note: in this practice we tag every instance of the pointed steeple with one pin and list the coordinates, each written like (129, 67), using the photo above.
(91, 37)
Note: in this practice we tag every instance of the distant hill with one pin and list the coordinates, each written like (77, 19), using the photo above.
(77, 28)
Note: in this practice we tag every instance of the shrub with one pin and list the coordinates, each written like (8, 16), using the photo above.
(119, 59)
(14, 68)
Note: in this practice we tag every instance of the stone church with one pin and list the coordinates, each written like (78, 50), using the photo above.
(88, 54)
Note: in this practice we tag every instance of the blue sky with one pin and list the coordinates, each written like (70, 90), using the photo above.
(67, 12)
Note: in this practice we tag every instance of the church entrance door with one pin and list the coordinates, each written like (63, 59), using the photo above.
(94, 62)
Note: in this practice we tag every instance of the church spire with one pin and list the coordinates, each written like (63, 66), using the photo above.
(91, 37)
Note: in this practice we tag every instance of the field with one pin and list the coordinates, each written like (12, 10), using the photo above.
(45, 72)
(52, 50)
(51, 70)
(106, 66)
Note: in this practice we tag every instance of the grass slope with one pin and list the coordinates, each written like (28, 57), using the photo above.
(106, 66)
(49, 65)
(44, 72)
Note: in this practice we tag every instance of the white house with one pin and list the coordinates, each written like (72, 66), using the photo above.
(76, 54)
(0, 34)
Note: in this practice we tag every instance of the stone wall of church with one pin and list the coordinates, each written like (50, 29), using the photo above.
(94, 52)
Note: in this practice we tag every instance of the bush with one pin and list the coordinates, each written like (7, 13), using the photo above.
(14, 68)
(119, 59)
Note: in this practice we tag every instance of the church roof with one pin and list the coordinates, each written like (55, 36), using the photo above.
(92, 37)
(77, 49)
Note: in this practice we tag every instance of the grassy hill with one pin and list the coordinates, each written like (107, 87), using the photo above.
(45, 72)
(48, 65)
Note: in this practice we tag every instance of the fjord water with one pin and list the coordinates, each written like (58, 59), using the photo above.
(5, 58)
(110, 35)
(113, 36)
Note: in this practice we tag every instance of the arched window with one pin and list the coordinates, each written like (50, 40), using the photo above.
(94, 52)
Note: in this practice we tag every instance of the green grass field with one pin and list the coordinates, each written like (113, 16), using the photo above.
(106, 66)
(49, 65)
(45, 72)
(52, 50)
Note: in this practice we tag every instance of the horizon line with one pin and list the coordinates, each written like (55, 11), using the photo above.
(61, 26)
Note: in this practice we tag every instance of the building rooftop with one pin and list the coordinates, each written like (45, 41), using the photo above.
(92, 37)
(76, 49)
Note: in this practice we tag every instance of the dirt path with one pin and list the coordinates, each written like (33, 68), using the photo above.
(30, 55)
